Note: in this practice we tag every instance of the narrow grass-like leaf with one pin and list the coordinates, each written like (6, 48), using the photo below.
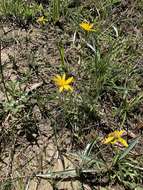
(127, 150)
(89, 147)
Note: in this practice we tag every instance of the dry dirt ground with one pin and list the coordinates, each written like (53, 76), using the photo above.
(35, 49)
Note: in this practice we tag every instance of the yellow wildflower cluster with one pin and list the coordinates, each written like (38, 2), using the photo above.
(63, 83)
(41, 20)
(115, 137)
(87, 26)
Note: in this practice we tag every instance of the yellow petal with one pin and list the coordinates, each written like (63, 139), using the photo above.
(114, 141)
(84, 25)
(57, 78)
(40, 19)
(69, 80)
(112, 134)
(64, 76)
(108, 140)
(123, 142)
(68, 87)
(91, 26)
(87, 26)
(61, 89)
(116, 134)
(121, 132)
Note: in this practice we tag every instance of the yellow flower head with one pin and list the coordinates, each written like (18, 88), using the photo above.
(41, 20)
(115, 137)
(87, 26)
(63, 83)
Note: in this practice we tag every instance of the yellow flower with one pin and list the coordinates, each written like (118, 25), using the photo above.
(87, 26)
(115, 137)
(41, 20)
(62, 83)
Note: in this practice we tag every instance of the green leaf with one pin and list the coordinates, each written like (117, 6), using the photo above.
(116, 1)
(103, 188)
(139, 188)
(89, 147)
(130, 147)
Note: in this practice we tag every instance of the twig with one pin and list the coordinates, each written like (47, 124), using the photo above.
(133, 166)
(2, 75)
(66, 174)
(28, 182)
(11, 157)
(59, 175)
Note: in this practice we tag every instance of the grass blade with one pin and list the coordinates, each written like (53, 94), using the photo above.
(127, 150)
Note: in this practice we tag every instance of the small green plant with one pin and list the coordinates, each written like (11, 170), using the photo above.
(6, 185)
(16, 99)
